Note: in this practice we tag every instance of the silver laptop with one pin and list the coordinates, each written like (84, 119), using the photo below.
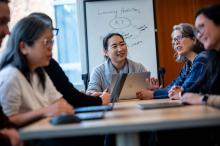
(133, 82)
(167, 104)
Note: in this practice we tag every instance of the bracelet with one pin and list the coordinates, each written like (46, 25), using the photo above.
(205, 98)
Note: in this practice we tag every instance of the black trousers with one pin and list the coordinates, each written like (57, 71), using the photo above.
(4, 141)
(69, 141)
(205, 136)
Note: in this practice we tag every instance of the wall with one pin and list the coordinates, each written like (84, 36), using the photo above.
(169, 13)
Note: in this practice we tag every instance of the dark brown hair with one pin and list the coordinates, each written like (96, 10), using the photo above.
(212, 12)
(107, 37)
(4, 1)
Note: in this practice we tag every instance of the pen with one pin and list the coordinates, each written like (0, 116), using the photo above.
(106, 90)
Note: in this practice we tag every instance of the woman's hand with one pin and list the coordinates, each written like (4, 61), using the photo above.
(144, 94)
(153, 83)
(59, 107)
(174, 92)
(191, 98)
(105, 97)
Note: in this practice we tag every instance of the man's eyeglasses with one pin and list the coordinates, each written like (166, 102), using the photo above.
(55, 31)
(48, 42)
(199, 30)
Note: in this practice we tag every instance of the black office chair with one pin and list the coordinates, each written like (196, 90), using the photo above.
(161, 73)
(85, 78)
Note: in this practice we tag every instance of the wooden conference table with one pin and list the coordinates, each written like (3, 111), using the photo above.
(126, 120)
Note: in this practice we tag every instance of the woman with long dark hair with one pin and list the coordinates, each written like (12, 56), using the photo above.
(208, 32)
(27, 93)
(61, 81)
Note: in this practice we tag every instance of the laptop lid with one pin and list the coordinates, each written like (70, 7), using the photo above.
(114, 95)
(132, 83)
(119, 82)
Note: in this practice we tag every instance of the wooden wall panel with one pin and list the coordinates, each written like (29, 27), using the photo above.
(167, 14)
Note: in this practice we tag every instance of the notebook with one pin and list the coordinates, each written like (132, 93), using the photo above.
(114, 95)
(160, 105)
(133, 82)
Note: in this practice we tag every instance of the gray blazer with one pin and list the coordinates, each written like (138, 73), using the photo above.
(101, 76)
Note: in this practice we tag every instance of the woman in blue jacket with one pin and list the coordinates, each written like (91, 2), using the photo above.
(188, 50)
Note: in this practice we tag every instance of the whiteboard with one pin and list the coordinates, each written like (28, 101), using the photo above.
(134, 19)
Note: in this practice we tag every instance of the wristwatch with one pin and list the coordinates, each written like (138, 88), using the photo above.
(205, 98)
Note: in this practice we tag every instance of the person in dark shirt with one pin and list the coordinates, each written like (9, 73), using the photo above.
(8, 134)
(65, 87)
(207, 24)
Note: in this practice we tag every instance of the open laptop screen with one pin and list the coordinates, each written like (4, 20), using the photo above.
(114, 95)
(132, 83)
